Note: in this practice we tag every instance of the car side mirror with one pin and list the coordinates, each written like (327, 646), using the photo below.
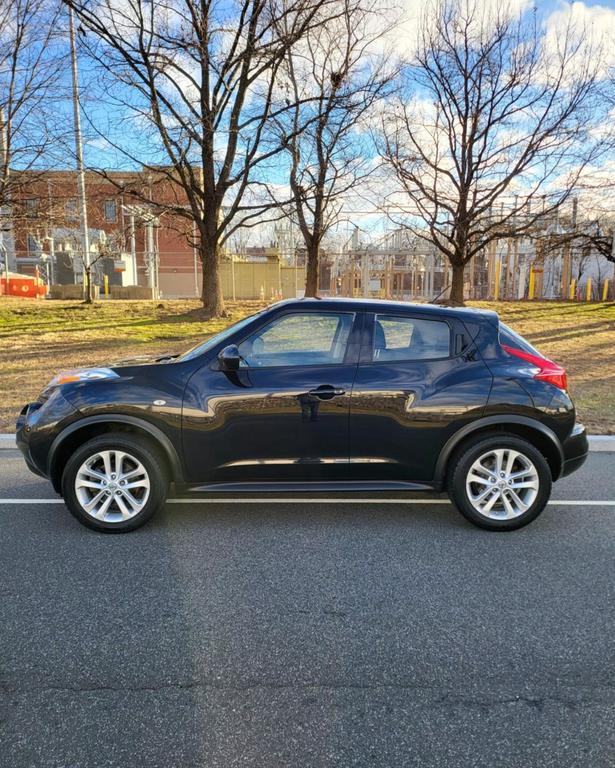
(229, 358)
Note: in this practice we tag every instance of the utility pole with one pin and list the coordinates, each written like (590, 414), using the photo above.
(151, 254)
(133, 249)
(195, 258)
(6, 228)
(4, 160)
(83, 211)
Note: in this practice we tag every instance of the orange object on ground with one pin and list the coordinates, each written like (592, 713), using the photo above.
(27, 286)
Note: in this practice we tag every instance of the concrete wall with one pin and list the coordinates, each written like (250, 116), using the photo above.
(130, 292)
(72, 291)
(255, 279)
(251, 279)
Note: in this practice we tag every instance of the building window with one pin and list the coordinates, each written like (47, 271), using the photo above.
(31, 206)
(110, 210)
(70, 209)
(34, 246)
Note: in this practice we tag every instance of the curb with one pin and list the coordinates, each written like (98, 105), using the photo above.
(596, 442)
(7, 442)
(601, 442)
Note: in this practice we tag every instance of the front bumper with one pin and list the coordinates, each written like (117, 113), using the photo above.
(37, 425)
(575, 449)
(22, 438)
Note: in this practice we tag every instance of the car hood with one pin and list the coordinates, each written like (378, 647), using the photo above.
(131, 362)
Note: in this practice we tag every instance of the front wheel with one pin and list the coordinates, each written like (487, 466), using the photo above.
(114, 483)
(500, 482)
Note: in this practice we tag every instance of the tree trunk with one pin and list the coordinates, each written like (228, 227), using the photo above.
(311, 278)
(88, 286)
(211, 292)
(456, 297)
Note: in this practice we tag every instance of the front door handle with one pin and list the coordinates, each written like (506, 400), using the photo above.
(326, 392)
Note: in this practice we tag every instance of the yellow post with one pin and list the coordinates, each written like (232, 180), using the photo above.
(572, 287)
(106, 284)
(588, 289)
(532, 286)
(496, 287)
(605, 290)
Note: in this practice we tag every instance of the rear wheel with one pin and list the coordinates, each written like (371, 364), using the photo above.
(114, 483)
(500, 482)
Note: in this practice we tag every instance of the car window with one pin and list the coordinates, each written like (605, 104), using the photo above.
(409, 338)
(211, 342)
(302, 338)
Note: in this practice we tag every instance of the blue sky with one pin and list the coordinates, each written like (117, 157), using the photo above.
(102, 118)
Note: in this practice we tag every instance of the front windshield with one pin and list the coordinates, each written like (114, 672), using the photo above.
(211, 342)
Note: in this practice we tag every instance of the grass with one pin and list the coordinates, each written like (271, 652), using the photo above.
(39, 338)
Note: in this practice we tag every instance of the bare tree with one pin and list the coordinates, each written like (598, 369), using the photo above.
(598, 235)
(88, 269)
(334, 79)
(202, 76)
(492, 114)
(31, 59)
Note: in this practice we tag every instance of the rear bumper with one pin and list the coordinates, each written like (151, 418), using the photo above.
(575, 449)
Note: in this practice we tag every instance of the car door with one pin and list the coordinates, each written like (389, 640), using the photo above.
(283, 416)
(419, 380)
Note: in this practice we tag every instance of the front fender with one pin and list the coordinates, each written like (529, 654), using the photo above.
(136, 423)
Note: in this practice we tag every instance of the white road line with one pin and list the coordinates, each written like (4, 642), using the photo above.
(31, 501)
(552, 502)
(581, 503)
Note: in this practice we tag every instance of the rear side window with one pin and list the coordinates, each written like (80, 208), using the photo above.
(510, 338)
(410, 338)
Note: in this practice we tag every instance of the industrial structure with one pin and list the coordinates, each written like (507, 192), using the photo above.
(139, 249)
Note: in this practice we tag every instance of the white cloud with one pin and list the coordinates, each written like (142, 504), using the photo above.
(590, 29)
(404, 38)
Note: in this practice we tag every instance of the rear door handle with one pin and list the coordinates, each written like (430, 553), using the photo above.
(326, 392)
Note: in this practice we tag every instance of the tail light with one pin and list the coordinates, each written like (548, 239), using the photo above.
(548, 370)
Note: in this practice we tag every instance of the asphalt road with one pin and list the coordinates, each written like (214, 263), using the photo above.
(308, 635)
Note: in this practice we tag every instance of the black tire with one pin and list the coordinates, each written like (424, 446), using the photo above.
(470, 452)
(137, 448)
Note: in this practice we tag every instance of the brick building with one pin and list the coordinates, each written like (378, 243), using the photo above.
(130, 231)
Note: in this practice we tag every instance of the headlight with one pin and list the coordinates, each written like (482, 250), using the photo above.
(83, 374)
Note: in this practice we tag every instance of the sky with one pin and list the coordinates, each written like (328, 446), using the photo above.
(102, 122)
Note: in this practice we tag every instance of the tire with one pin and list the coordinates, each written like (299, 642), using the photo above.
(493, 503)
(92, 471)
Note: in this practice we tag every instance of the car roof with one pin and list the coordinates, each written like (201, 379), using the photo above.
(471, 314)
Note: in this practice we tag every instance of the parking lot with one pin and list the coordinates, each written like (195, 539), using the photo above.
(294, 633)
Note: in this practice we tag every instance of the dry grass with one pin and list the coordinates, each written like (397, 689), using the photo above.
(39, 338)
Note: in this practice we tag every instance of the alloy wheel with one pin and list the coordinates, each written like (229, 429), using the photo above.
(502, 484)
(112, 486)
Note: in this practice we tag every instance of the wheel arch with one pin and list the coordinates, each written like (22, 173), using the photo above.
(92, 426)
(543, 438)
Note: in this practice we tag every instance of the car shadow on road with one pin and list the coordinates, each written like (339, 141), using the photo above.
(301, 512)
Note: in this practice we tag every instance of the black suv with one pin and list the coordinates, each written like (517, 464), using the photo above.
(315, 395)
